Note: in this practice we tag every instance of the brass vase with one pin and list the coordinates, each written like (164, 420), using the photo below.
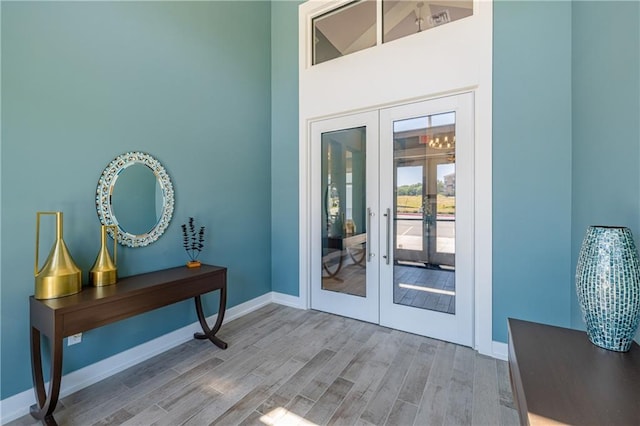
(59, 276)
(104, 270)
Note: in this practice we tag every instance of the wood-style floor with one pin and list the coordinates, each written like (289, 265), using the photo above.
(286, 366)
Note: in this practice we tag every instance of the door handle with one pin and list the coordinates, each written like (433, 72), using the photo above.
(388, 241)
(368, 243)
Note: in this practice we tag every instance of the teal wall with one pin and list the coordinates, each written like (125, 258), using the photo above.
(284, 147)
(531, 163)
(83, 82)
(606, 121)
(566, 147)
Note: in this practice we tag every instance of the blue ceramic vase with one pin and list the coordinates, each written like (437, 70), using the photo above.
(608, 286)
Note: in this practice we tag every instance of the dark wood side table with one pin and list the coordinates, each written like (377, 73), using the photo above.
(559, 377)
(97, 306)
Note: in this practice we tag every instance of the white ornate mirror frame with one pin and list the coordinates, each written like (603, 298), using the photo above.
(104, 198)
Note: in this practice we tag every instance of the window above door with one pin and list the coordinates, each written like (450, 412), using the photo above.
(356, 25)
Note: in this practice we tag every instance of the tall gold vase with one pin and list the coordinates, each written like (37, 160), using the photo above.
(59, 276)
(104, 270)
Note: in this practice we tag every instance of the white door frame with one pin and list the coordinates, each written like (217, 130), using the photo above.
(361, 81)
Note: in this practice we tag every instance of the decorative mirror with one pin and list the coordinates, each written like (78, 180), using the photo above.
(135, 193)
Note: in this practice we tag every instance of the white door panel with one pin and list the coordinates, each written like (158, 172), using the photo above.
(426, 182)
(344, 264)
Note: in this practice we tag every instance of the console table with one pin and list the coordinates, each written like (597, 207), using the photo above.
(97, 306)
(559, 377)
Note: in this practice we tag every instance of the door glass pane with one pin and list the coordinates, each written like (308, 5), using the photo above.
(344, 215)
(344, 30)
(409, 205)
(424, 212)
(401, 18)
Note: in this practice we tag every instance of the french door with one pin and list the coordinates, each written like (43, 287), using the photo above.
(392, 209)
(345, 275)
(426, 182)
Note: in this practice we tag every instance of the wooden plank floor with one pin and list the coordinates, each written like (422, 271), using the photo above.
(286, 366)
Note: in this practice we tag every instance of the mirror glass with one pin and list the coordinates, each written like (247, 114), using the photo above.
(135, 193)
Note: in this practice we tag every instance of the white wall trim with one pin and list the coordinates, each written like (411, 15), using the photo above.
(484, 184)
(288, 300)
(18, 405)
(500, 350)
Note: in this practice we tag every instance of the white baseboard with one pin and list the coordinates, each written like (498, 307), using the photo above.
(288, 300)
(18, 405)
(500, 350)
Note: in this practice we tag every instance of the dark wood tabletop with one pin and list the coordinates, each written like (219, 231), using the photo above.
(559, 376)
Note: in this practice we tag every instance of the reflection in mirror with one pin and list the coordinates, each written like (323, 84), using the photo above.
(136, 194)
(134, 199)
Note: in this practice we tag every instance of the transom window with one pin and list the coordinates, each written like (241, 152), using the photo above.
(354, 26)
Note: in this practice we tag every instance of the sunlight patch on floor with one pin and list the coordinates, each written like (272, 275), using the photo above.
(281, 416)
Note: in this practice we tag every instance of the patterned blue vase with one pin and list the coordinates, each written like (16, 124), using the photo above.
(608, 286)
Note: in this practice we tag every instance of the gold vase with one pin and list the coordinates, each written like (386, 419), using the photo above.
(59, 276)
(104, 270)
